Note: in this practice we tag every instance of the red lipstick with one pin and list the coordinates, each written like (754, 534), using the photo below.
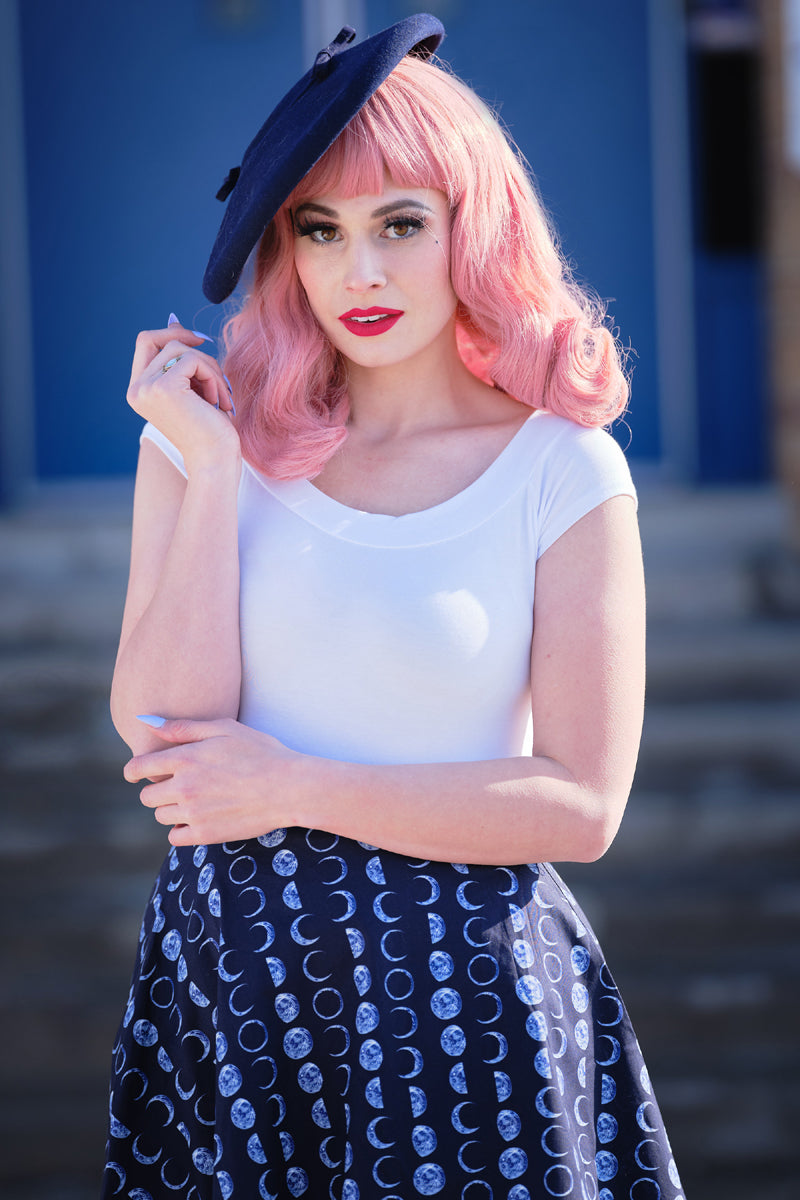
(368, 322)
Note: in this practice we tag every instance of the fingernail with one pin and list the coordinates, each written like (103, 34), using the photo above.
(173, 320)
(217, 405)
(153, 722)
(204, 336)
(225, 377)
(233, 407)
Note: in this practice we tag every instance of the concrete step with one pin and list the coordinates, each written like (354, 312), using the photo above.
(702, 549)
(753, 658)
(763, 735)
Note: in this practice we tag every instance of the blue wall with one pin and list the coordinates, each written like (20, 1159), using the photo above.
(135, 112)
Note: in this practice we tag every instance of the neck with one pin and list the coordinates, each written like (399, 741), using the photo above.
(432, 389)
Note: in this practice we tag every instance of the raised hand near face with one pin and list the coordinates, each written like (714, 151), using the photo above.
(183, 392)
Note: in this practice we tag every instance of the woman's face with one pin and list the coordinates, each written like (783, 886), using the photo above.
(376, 270)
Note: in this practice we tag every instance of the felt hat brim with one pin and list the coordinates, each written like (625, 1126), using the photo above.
(299, 130)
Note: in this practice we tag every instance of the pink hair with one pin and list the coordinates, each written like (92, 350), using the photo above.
(521, 322)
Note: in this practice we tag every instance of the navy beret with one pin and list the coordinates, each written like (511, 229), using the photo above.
(299, 130)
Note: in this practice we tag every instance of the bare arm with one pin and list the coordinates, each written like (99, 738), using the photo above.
(565, 802)
(179, 647)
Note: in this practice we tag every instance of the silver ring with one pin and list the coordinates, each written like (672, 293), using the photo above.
(171, 363)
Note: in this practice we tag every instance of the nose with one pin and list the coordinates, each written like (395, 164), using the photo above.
(364, 270)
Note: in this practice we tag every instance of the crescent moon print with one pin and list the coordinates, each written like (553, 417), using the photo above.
(345, 1039)
(459, 1124)
(297, 935)
(173, 1183)
(325, 1156)
(280, 1105)
(416, 1058)
(338, 876)
(223, 973)
(373, 1137)
(309, 973)
(501, 1046)
(351, 905)
(413, 1023)
(269, 935)
(498, 1008)
(239, 1012)
(461, 893)
(376, 1172)
(145, 1159)
(141, 1076)
(385, 945)
(463, 1165)
(260, 900)
(377, 906)
(473, 941)
(121, 1176)
(613, 1050)
(169, 1107)
(435, 891)
(513, 882)
(413, 1029)
(200, 1037)
(641, 1116)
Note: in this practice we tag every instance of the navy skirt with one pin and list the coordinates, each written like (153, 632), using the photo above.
(311, 1016)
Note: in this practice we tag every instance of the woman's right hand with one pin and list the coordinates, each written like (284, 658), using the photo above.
(184, 393)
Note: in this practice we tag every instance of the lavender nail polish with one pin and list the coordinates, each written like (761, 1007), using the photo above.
(173, 320)
(204, 336)
(153, 722)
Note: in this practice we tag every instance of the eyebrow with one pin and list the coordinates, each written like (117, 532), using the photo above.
(383, 211)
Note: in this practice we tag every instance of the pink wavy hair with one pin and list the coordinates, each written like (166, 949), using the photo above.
(521, 321)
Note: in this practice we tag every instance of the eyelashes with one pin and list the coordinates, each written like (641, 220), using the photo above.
(317, 229)
(412, 222)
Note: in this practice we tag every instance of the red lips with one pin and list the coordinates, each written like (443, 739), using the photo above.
(368, 322)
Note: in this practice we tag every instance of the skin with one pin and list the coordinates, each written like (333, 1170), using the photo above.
(421, 429)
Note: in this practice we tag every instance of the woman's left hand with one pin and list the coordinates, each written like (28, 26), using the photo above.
(221, 781)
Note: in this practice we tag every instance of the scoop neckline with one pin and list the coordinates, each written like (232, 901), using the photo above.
(460, 512)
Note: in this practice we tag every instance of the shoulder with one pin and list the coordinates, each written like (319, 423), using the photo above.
(557, 437)
(573, 470)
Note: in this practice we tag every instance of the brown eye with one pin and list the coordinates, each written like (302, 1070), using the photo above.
(402, 229)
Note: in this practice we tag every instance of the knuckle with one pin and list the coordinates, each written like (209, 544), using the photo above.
(180, 728)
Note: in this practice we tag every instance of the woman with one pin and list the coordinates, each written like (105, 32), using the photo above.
(346, 985)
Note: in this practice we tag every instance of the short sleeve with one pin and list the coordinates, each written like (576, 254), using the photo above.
(581, 469)
(165, 446)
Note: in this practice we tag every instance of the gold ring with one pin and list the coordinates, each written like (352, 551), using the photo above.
(171, 363)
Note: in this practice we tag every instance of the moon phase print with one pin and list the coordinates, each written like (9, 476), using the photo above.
(310, 1016)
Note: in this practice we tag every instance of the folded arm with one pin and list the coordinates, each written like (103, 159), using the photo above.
(179, 647)
(565, 802)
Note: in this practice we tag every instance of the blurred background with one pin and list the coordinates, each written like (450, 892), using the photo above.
(665, 136)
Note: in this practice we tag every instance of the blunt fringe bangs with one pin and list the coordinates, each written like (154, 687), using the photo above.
(522, 322)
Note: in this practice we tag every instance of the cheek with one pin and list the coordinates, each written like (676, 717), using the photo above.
(310, 283)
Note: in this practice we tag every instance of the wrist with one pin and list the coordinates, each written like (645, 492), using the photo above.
(222, 464)
(308, 791)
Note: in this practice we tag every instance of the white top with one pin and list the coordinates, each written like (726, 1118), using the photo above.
(373, 638)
